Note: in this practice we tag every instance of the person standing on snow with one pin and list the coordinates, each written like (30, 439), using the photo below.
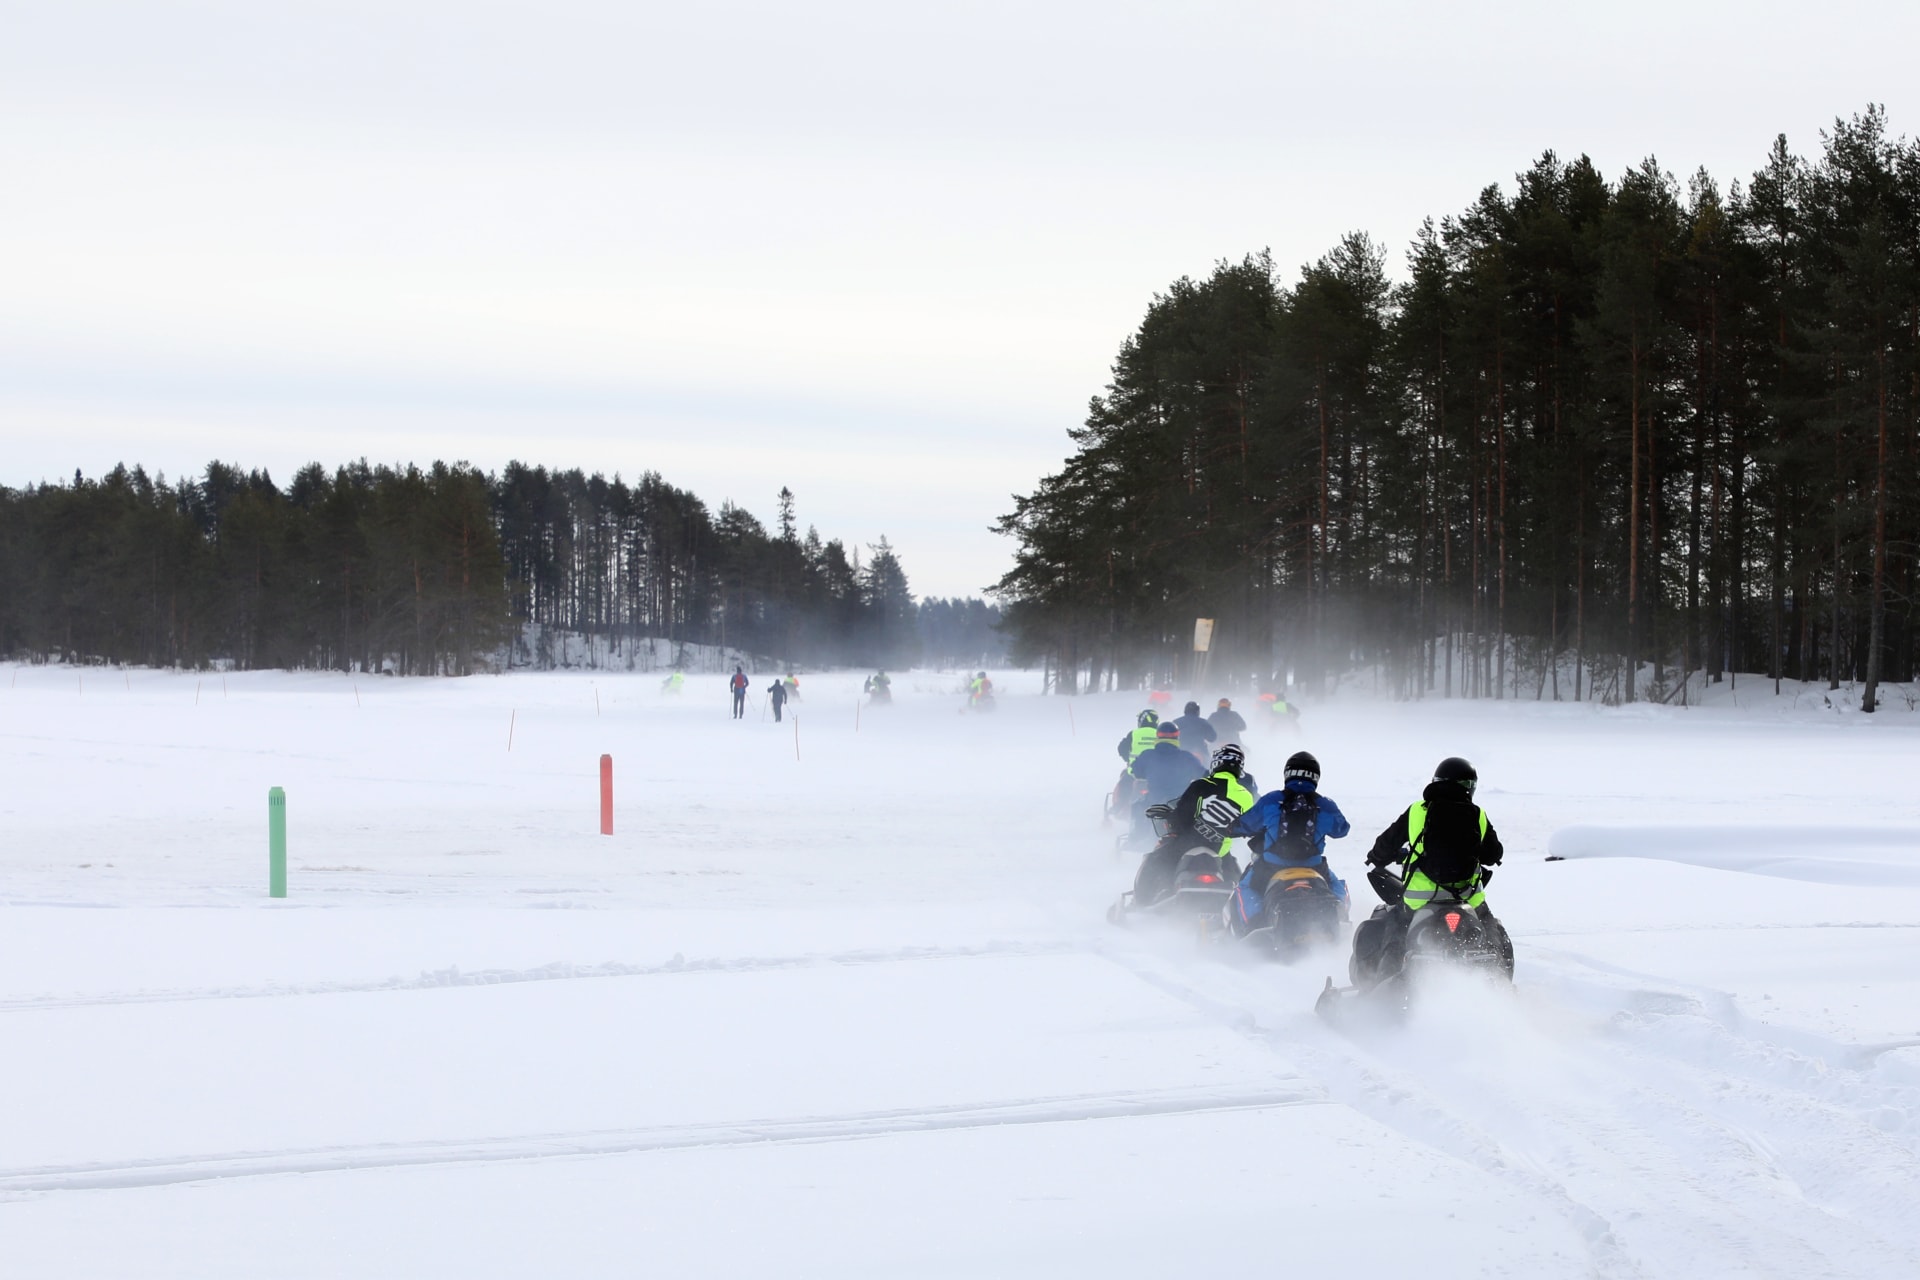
(777, 696)
(1446, 841)
(1227, 722)
(1228, 780)
(1196, 734)
(1286, 828)
(739, 686)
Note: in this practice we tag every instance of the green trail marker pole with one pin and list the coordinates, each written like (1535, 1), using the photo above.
(276, 843)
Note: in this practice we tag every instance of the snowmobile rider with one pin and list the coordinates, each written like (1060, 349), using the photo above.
(1186, 828)
(1286, 828)
(1196, 734)
(1445, 840)
(1226, 722)
(880, 687)
(1145, 732)
(1165, 770)
(1141, 737)
(979, 690)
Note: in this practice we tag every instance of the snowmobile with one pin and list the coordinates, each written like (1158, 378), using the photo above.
(1201, 886)
(880, 695)
(1299, 913)
(1445, 933)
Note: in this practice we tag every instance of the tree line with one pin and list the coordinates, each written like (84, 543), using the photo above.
(1600, 437)
(428, 571)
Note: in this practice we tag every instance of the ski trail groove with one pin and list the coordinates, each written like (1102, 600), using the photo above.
(170, 1171)
(559, 971)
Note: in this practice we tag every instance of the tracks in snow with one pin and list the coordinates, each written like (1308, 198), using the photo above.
(1676, 1137)
(438, 979)
(873, 1124)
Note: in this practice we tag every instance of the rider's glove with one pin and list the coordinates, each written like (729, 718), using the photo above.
(1218, 812)
(1382, 858)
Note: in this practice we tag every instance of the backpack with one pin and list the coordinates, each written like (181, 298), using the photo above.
(1292, 835)
(1448, 851)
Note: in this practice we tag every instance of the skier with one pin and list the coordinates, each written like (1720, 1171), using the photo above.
(1227, 779)
(1196, 733)
(1445, 840)
(777, 697)
(739, 686)
(1286, 828)
(1227, 722)
(1165, 770)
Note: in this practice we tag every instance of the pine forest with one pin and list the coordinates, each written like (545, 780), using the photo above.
(1598, 439)
(439, 571)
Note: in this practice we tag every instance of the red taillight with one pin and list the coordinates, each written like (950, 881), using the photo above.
(1207, 879)
(1453, 922)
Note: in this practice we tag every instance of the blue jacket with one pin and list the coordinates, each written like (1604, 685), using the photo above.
(1262, 823)
(1166, 770)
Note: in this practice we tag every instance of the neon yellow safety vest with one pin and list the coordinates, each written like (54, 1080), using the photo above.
(1143, 740)
(1237, 793)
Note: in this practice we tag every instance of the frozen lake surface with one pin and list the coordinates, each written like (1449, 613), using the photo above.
(842, 1002)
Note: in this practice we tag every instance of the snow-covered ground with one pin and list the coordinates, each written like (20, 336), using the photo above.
(838, 1000)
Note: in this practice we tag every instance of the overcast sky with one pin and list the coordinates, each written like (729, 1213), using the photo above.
(880, 253)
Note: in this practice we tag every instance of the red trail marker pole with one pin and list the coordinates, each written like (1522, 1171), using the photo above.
(606, 795)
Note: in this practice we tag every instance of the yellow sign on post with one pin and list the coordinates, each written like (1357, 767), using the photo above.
(1202, 634)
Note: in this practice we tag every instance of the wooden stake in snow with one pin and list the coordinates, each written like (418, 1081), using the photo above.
(356, 693)
(796, 739)
(511, 717)
(596, 711)
(1072, 728)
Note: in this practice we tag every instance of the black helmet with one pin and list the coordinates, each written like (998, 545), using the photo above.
(1230, 757)
(1301, 764)
(1454, 769)
(1193, 709)
(1147, 719)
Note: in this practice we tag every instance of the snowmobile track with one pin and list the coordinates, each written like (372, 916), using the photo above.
(1655, 1119)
